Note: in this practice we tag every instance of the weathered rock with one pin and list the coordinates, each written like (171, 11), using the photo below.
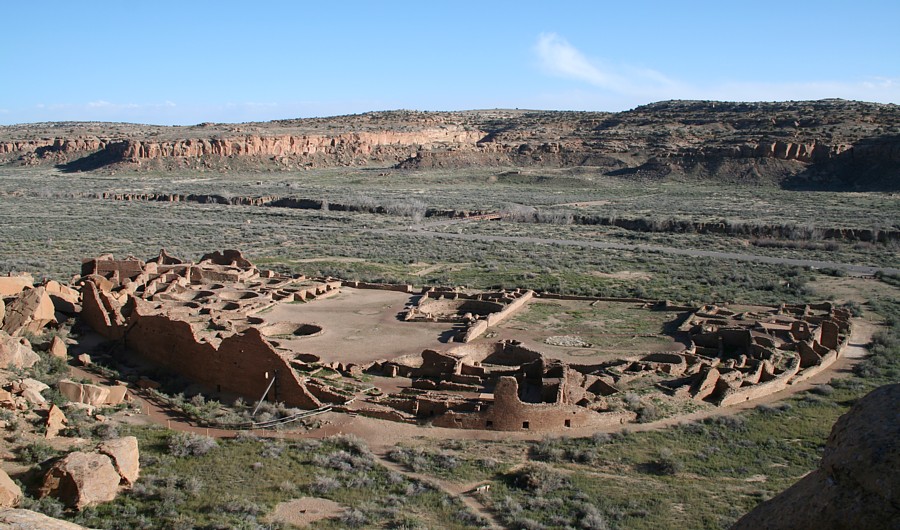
(29, 383)
(71, 390)
(58, 348)
(125, 456)
(65, 299)
(2, 310)
(117, 394)
(14, 284)
(81, 479)
(18, 519)
(6, 400)
(94, 395)
(856, 485)
(10, 492)
(16, 352)
(34, 397)
(84, 359)
(56, 422)
(30, 311)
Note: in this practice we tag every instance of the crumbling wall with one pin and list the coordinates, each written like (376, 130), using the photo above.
(509, 413)
(402, 288)
(101, 312)
(243, 363)
(732, 396)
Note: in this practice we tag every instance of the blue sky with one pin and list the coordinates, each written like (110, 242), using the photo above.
(192, 61)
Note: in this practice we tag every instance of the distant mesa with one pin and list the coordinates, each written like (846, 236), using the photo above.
(805, 143)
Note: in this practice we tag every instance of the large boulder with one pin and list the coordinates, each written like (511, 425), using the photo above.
(16, 352)
(81, 479)
(12, 285)
(94, 395)
(856, 485)
(10, 492)
(125, 456)
(71, 390)
(30, 311)
(19, 519)
(58, 348)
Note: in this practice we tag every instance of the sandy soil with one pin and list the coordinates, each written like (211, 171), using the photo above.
(360, 325)
(305, 510)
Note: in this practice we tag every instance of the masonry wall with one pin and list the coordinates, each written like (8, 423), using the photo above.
(239, 364)
(509, 413)
(748, 393)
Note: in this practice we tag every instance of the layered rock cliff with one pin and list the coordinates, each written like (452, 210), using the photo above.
(805, 142)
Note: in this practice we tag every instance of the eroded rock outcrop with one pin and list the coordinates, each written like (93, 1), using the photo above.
(856, 484)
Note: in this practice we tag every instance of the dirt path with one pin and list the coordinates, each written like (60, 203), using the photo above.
(464, 491)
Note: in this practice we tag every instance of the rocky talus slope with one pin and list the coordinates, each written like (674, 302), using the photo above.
(857, 484)
(833, 142)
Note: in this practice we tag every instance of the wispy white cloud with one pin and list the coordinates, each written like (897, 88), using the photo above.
(557, 57)
(622, 82)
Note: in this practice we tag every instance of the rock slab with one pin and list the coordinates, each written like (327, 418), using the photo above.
(857, 484)
(81, 479)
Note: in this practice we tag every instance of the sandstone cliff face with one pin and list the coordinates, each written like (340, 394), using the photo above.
(739, 141)
(856, 485)
(363, 144)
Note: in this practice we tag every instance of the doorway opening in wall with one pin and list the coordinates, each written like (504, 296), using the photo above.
(490, 423)
(568, 423)
(525, 425)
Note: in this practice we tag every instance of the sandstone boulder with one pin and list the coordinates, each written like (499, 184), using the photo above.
(30, 311)
(6, 400)
(18, 519)
(94, 395)
(84, 359)
(58, 348)
(14, 284)
(125, 456)
(16, 352)
(65, 299)
(856, 485)
(33, 396)
(81, 479)
(71, 390)
(56, 422)
(28, 383)
(10, 492)
(117, 394)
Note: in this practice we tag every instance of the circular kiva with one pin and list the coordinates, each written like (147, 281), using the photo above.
(447, 308)
(236, 295)
(286, 329)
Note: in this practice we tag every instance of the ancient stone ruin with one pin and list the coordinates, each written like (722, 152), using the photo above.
(439, 355)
